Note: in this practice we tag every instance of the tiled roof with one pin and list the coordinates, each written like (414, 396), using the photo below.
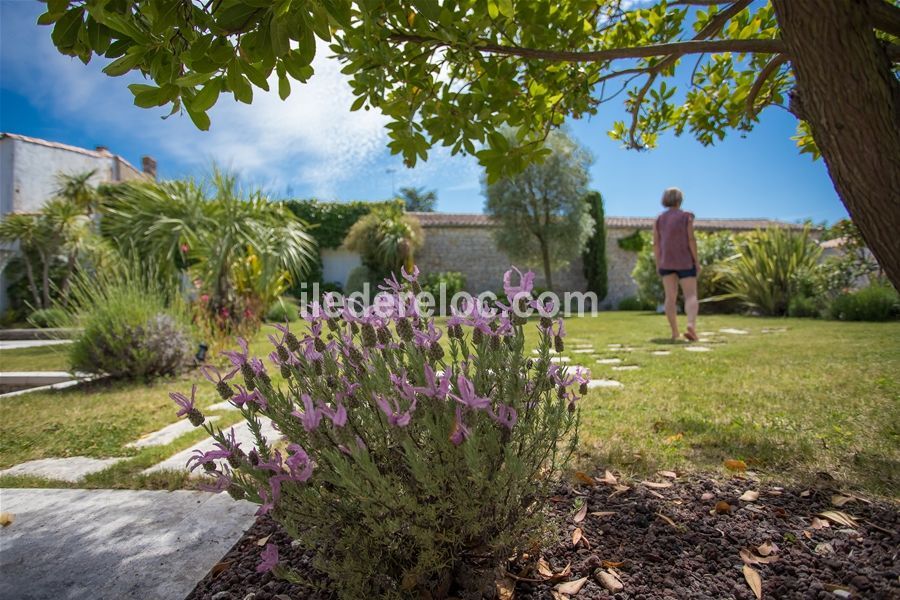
(61, 146)
(480, 220)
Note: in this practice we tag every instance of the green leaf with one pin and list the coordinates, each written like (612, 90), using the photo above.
(122, 65)
(206, 98)
(65, 32)
(507, 9)
(430, 9)
(200, 119)
(257, 77)
(238, 84)
(493, 9)
(284, 86)
(194, 79)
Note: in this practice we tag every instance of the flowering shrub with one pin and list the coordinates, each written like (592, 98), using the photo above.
(404, 459)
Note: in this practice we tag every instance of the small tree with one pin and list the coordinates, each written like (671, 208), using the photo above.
(386, 239)
(419, 199)
(594, 256)
(541, 212)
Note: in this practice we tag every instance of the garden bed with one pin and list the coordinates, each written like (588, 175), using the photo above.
(661, 543)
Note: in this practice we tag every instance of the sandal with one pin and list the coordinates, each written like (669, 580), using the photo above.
(691, 335)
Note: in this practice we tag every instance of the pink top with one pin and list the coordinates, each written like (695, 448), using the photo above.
(674, 248)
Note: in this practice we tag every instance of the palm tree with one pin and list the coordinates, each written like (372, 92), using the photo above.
(77, 189)
(177, 226)
(24, 230)
(386, 239)
(419, 199)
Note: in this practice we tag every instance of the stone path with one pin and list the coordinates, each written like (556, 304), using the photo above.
(698, 349)
(583, 351)
(560, 359)
(604, 383)
(609, 361)
(167, 434)
(114, 544)
(733, 331)
(661, 352)
(70, 469)
(626, 368)
(19, 344)
(178, 462)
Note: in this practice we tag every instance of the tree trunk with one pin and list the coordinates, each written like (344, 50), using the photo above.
(846, 92)
(70, 269)
(545, 257)
(29, 272)
(45, 280)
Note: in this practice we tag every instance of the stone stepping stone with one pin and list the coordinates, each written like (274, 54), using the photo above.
(560, 359)
(609, 361)
(70, 469)
(698, 349)
(661, 352)
(223, 405)
(167, 434)
(552, 351)
(242, 433)
(733, 331)
(626, 368)
(614, 346)
(604, 383)
(774, 329)
(591, 346)
(583, 351)
(21, 344)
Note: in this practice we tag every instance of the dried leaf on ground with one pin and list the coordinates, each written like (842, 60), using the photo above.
(571, 588)
(824, 549)
(818, 523)
(657, 485)
(506, 588)
(753, 580)
(577, 536)
(735, 465)
(609, 580)
(608, 479)
(839, 500)
(841, 518)
(220, 567)
(615, 564)
(766, 548)
(749, 496)
(750, 558)
(585, 478)
(544, 569)
(581, 514)
(722, 507)
(669, 474)
(603, 513)
(6, 519)
(667, 520)
(262, 541)
(619, 489)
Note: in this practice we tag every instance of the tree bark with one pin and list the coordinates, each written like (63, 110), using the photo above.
(545, 257)
(846, 92)
(45, 280)
(29, 272)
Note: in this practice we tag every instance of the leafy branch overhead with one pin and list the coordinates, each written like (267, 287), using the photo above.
(454, 73)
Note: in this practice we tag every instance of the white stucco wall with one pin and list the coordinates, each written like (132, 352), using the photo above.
(337, 264)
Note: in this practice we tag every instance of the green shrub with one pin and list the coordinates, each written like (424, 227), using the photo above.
(646, 276)
(771, 267)
(803, 306)
(593, 258)
(454, 282)
(633, 303)
(48, 317)
(130, 329)
(357, 279)
(403, 460)
(877, 302)
(284, 310)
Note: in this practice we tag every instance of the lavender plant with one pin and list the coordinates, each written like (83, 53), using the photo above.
(404, 460)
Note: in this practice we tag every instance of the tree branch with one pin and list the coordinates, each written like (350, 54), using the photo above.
(766, 72)
(697, 2)
(750, 46)
(884, 16)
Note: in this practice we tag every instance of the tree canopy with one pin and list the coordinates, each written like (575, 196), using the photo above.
(541, 213)
(418, 199)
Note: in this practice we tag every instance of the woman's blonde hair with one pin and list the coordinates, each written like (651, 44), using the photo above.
(672, 197)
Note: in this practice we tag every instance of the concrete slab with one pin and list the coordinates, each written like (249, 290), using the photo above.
(242, 434)
(560, 359)
(661, 352)
(626, 368)
(697, 349)
(36, 377)
(583, 351)
(609, 361)
(167, 434)
(733, 331)
(223, 405)
(604, 383)
(114, 544)
(70, 469)
(19, 344)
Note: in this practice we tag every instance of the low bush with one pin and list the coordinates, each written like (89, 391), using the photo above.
(877, 302)
(284, 310)
(803, 306)
(405, 462)
(453, 281)
(48, 317)
(633, 303)
(358, 278)
(130, 329)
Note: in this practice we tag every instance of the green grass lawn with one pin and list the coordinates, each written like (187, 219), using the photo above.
(42, 358)
(820, 397)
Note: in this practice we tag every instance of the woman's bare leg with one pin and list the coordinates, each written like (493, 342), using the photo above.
(691, 303)
(670, 284)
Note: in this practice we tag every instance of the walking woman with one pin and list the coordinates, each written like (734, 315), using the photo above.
(676, 259)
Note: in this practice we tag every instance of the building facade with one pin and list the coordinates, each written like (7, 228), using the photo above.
(29, 172)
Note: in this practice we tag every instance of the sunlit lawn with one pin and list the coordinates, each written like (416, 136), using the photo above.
(818, 397)
(42, 358)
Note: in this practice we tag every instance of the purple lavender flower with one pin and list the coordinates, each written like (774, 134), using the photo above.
(238, 359)
(432, 388)
(207, 459)
(506, 415)
(269, 559)
(467, 394)
(213, 375)
(391, 284)
(391, 409)
(338, 416)
(298, 463)
(244, 396)
(267, 503)
(424, 339)
(526, 283)
(187, 407)
(311, 415)
(410, 277)
(221, 483)
(460, 432)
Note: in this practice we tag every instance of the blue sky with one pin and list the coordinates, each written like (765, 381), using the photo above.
(312, 146)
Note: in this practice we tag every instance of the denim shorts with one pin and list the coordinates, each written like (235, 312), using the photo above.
(682, 273)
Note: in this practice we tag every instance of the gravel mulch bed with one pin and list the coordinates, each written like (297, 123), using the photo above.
(670, 538)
